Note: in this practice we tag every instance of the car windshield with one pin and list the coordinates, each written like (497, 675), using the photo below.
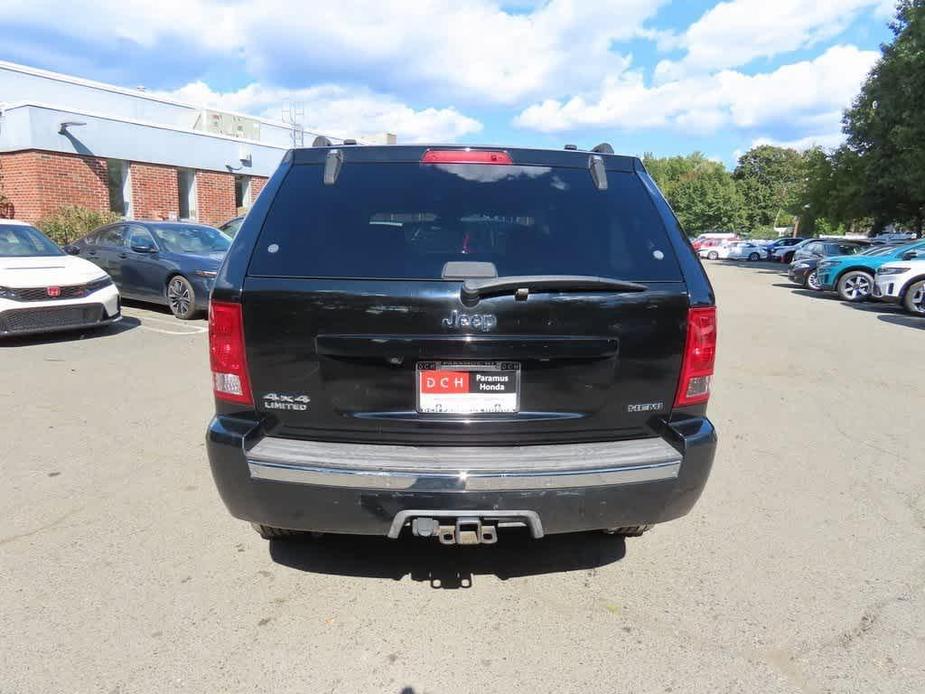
(190, 238)
(21, 241)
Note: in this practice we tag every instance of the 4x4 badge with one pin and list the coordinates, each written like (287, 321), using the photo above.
(286, 401)
(476, 321)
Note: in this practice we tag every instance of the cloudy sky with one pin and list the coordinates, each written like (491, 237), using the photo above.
(666, 76)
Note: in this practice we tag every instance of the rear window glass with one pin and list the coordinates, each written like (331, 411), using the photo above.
(407, 220)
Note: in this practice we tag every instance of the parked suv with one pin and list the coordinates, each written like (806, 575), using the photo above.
(852, 276)
(902, 282)
(449, 341)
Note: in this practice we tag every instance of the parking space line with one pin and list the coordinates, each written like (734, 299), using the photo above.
(184, 329)
(196, 331)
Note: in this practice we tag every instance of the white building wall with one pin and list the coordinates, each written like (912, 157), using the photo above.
(128, 124)
(39, 127)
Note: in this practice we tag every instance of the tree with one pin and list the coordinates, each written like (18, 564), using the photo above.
(886, 124)
(770, 180)
(701, 192)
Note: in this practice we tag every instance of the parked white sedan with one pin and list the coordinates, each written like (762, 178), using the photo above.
(738, 250)
(42, 289)
(902, 281)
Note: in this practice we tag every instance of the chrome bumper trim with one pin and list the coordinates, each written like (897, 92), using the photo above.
(414, 468)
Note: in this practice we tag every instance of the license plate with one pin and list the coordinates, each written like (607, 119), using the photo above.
(468, 387)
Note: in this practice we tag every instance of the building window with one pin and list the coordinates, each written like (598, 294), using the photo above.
(120, 187)
(242, 192)
(186, 187)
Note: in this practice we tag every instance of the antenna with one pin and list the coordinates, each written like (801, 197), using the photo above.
(293, 116)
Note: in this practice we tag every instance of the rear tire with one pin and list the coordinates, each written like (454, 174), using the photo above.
(855, 286)
(914, 300)
(753, 257)
(181, 298)
(268, 532)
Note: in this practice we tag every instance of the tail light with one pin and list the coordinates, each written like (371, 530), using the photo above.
(699, 357)
(466, 156)
(226, 353)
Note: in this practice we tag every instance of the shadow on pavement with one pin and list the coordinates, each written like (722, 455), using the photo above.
(905, 321)
(812, 293)
(448, 567)
(127, 323)
(888, 313)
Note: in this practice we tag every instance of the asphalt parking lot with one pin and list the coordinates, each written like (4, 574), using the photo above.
(801, 569)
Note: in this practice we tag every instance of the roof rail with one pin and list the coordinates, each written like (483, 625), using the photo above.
(350, 141)
(603, 148)
(571, 148)
(321, 141)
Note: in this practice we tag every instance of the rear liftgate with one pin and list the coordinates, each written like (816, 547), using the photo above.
(465, 527)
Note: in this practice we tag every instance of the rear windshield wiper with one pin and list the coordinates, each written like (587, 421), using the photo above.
(473, 290)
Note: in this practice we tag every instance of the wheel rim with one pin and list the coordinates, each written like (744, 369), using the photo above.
(918, 299)
(812, 280)
(856, 287)
(753, 257)
(178, 296)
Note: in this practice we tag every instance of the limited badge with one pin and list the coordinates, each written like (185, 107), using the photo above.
(294, 402)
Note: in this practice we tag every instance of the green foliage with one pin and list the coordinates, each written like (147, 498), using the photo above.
(770, 180)
(72, 222)
(886, 125)
(701, 192)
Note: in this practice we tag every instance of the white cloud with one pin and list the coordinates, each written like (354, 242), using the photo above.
(825, 140)
(338, 111)
(475, 50)
(808, 94)
(420, 67)
(886, 9)
(736, 32)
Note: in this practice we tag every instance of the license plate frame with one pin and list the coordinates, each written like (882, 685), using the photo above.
(486, 399)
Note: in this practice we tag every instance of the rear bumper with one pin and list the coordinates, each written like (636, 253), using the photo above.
(361, 489)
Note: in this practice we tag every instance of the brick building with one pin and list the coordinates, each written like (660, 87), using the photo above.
(69, 141)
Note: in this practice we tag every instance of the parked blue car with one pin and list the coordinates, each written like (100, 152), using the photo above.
(852, 276)
(169, 263)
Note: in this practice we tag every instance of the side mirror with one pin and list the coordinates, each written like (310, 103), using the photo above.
(143, 248)
(910, 255)
(71, 249)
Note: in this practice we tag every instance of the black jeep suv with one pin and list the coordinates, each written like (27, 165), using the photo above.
(449, 341)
